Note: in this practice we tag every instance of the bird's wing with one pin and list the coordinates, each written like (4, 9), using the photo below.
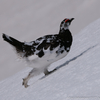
(38, 46)
(48, 41)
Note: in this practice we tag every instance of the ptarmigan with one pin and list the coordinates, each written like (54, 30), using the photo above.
(44, 50)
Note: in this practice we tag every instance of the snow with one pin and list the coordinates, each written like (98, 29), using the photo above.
(77, 77)
(28, 20)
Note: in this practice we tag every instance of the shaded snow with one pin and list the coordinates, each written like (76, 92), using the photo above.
(78, 77)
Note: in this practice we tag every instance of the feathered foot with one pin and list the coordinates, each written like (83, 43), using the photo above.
(25, 81)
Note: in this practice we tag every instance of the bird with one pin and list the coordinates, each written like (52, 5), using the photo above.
(43, 51)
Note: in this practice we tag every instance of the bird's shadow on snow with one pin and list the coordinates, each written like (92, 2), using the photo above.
(74, 58)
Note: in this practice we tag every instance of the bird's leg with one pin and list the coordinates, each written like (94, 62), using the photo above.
(46, 72)
(26, 79)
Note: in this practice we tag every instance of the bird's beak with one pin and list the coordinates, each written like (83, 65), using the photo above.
(71, 19)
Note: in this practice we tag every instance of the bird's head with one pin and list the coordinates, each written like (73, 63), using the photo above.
(65, 24)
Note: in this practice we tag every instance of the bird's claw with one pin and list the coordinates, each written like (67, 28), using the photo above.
(25, 83)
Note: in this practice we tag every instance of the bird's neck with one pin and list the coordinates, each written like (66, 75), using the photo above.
(62, 31)
(65, 36)
(65, 33)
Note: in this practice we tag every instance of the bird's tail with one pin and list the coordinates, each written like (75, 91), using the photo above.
(17, 44)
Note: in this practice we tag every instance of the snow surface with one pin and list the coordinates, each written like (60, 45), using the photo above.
(27, 20)
(78, 76)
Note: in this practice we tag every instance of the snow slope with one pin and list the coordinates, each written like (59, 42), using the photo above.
(78, 76)
(27, 20)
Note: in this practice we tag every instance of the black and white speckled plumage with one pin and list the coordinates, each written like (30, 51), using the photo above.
(44, 50)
